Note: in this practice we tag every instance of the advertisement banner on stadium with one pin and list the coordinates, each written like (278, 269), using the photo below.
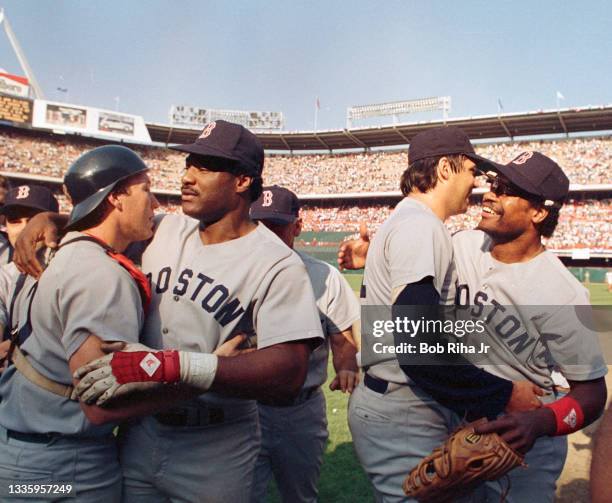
(14, 85)
(89, 121)
(116, 123)
(15, 111)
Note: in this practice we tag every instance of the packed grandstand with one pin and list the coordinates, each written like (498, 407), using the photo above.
(585, 221)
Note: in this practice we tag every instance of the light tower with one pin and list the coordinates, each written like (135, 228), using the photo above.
(36, 90)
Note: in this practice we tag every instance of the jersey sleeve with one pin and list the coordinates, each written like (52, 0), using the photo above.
(343, 308)
(569, 341)
(411, 252)
(287, 311)
(105, 302)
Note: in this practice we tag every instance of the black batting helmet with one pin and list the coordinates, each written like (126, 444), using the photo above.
(95, 174)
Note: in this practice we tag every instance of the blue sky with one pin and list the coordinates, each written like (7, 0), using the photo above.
(279, 56)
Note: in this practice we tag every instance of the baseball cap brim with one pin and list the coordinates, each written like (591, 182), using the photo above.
(274, 217)
(515, 177)
(7, 207)
(482, 162)
(206, 151)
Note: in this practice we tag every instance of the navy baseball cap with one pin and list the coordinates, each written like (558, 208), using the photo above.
(445, 140)
(277, 204)
(537, 175)
(30, 196)
(229, 141)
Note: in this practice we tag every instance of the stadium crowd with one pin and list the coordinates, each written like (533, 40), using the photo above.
(585, 160)
(583, 223)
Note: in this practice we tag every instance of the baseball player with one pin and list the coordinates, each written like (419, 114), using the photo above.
(213, 274)
(398, 415)
(21, 204)
(609, 280)
(294, 435)
(45, 437)
(534, 325)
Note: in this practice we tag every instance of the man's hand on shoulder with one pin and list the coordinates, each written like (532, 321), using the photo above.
(42, 230)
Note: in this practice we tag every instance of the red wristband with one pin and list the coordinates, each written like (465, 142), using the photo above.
(142, 366)
(568, 414)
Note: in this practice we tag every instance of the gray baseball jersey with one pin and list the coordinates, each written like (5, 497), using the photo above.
(8, 275)
(412, 244)
(338, 310)
(77, 295)
(204, 295)
(534, 322)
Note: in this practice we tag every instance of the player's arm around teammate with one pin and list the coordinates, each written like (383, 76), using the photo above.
(46, 436)
(253, 375)
(352, 255)
(519, 428)
(222, 172)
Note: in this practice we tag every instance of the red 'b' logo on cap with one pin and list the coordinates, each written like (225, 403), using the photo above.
(207, 130)
(523, 158)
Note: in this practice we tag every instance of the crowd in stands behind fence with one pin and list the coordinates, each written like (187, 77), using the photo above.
(583, 223)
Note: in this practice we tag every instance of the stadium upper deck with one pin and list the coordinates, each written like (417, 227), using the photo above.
(355, 175)
(512, 125)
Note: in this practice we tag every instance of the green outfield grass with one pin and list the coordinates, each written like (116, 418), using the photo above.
(354, 279)
(599, 294)
(599, 291)
(342, 478)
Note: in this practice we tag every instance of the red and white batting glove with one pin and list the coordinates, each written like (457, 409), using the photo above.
(137, 367)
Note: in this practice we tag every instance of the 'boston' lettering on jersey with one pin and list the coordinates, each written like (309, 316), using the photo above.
(507, 326)
(215, 297)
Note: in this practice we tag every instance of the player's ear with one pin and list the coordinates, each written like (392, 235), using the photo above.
(114, 201)
(538, 214)
(444, 169)
(243, 183)
(297, 229)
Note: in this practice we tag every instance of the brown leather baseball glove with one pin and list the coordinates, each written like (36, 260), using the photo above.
(461, 464)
